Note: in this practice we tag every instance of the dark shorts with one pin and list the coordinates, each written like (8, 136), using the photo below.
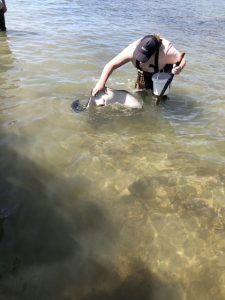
(2, 21)
(144, 81)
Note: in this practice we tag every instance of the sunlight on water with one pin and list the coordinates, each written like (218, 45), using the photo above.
(111, 203)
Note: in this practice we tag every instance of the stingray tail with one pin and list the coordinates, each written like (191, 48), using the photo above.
(78, 107)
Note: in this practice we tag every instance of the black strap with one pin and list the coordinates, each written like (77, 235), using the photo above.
(156, 66)
(138, 65)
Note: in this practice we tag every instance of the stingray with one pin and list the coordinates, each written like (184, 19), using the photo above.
(109, 97)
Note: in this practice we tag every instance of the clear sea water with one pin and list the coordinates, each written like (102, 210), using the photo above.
(111, 203)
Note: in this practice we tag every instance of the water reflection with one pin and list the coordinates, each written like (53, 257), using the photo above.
(6, 57)
(8, 82)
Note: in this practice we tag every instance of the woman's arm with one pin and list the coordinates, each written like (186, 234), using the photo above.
(121, 59)
(177, 69)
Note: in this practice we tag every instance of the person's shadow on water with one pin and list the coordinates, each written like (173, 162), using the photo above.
(59, 240)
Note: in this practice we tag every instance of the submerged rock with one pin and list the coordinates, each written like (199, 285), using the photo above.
(182, 194)
(206, 171)
(143, 188)
(147, 186)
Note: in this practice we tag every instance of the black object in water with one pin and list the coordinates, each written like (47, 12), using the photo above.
(77, 106)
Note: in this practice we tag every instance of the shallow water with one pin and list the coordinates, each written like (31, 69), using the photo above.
(111, 203)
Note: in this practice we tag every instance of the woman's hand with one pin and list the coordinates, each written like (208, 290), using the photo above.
(121, 59)
(178, 67)
(176, 70)
(99, 87)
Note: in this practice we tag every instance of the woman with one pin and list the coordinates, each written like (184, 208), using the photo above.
(2, 16)
(149, 55)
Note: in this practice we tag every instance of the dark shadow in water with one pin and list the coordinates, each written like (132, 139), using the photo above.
(139, 284)
(40, 231)
(173, 107)
(181, 108)
(59, 242)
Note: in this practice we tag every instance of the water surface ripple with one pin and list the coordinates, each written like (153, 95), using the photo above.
(110, 203)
